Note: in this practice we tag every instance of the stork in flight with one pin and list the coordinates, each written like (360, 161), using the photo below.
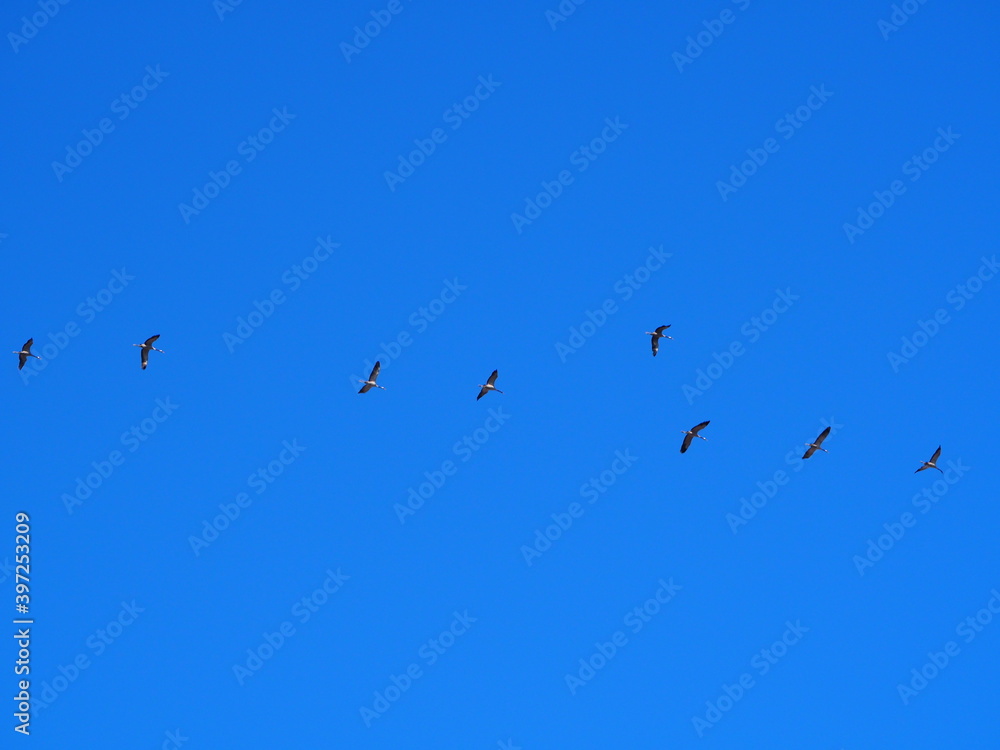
(657, 335)
(813, 447)
(146, 346)
(488, 386)
(689, 435)
(368, 384)
(25, 353)
(932, 464)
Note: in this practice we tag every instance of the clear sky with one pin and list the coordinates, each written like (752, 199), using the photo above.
(233, 548)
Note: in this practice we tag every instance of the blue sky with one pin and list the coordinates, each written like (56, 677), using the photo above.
(235, 549)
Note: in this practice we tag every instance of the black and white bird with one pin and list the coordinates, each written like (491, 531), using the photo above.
(657, 335)
(25, 353)
(488, 386)
(932, 464)
(147, 346)
(689, 435)
(813, 447)
(370, 383)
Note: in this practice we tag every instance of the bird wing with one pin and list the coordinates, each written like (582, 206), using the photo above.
(365, 388)
(661, 329)
(698, 428)
(375, 369)
(482, 393)
(822, 436)
(920, 469)
(809, 451)
(934, 458)
(656, 344)
(493, 378)
(686, 443)
(22, 358)
(27, 345)
(145, 357)
(151, 339)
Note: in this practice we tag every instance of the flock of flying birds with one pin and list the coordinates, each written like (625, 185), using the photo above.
(689, 435)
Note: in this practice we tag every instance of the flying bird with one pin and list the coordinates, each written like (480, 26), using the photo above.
(813, 447)
(368, 384)
(689, 435)
(146, 346)
(488, 386)
(657, 335)
(932, 464)
(25, 353)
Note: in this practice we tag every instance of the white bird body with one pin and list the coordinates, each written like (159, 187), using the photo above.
(932, 464)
